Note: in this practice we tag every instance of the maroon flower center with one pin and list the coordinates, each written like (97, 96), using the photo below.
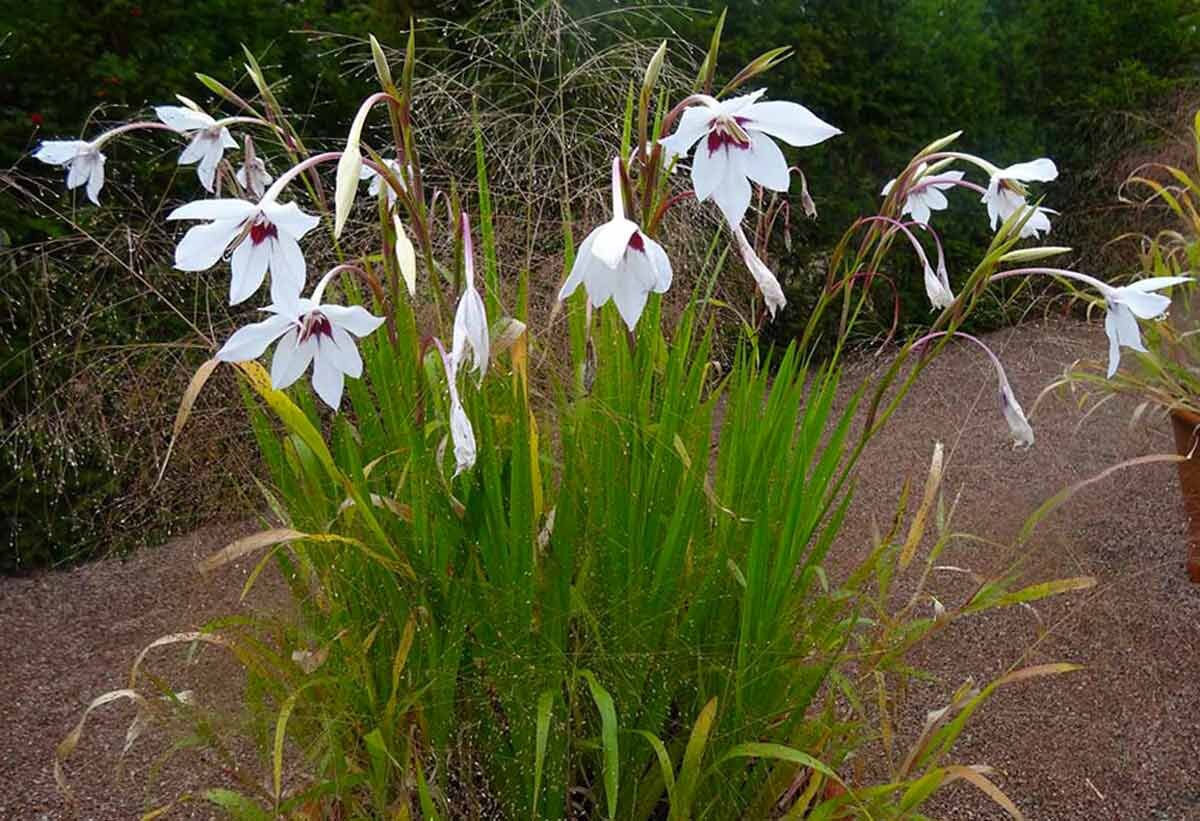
(315, 324)
(723, 135)
(261, 230)
(636, 242)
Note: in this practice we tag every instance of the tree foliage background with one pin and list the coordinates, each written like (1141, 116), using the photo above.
(1083, 81)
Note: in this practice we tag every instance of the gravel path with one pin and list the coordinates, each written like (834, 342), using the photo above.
(1118, 741)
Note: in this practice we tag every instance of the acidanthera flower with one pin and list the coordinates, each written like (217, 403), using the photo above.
(767, 283)
(1005, 195)
(82, 159)
(1125, 306)
(311, 332)
(735, 146)
(470, 320)
(461, 432)
(253, 177)
(265, 235)
(209, 139)
(618, 261)
(369, 173)
(924, 194)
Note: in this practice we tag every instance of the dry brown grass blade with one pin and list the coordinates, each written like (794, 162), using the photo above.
(173, 638)
(917, 529)
(986, 786)
(68, 744)
(199, 378)
(249, 544)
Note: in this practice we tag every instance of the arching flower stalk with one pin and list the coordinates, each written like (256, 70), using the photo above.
(734, 146)
(617, 261)
(83, 159)
(1014, 416)
(1125, 305)
(265, 237)
(312, 333)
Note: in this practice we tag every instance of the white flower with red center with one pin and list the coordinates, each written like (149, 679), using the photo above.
(82, 159)
(265, 236)
(209, 139)
(735, 146)
(617, 261)
(312, 333)
(1006, 195)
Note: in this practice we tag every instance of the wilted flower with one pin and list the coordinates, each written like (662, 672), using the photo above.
(312, 333)
(1005, 195)
(937, 286)
(209, 139)
(924, 194)
(1128, 303)
(265, 235)
(252, 176)
(735, 146)
(618, 261)
(82, 159)
(767, 283)
(470, 320)
(369, 173)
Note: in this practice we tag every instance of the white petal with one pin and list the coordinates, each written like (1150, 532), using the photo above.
(95, 179)
(250, 341)
(768, 285)
(344, 353)
(227, 140)
(59, 152)
(195, 150)
(1040, 170)
(937, 289)
(1114, 343)
(290, 219)
(732, 196)
(765, 164)
(629, 290)
(708, 171)
(1156, 283)
(693, 124)
(918, 209)
(183, 119)
(611, 240)
(290, 360)
(934, 200)
(207, 169)
(581, 267)
(790, 122)
(738, 105)
(203, 245)
(288, 269)
(354, 318)
(327, 380)
(1014, 415)
(78, 171)
(471, 332)
(662, 265)
(887, 187)
(215, 209)
(248, 268)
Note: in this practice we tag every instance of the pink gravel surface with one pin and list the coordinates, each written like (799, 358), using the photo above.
(1119, 740)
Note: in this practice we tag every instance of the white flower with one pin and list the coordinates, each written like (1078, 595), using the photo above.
(209, 140)
(1125, 306)
(1018, 425)
(82, 159)
(470, 320)
(767, 283)
(312, 333)
(924, 194)
(937, 286)
(461, 432)
(265, 235)
(735, 146)
(1005, 195)
(369, 173)
(618, 261)
(252, 176)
